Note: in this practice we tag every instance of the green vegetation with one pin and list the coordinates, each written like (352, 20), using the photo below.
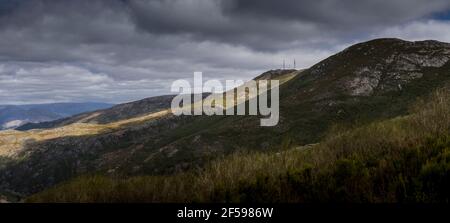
(367, 83)
(405, 159)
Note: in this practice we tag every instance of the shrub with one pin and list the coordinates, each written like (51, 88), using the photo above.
(406, 159)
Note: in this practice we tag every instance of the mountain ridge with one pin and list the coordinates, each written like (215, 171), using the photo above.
(33, 113)
(115, 113)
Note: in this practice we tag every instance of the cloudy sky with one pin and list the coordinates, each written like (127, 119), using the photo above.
(123, 50)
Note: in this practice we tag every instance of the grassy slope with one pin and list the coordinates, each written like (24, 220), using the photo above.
(11, 141)
(180, 144)
(305, 113)
(404, 159)
(50, 151)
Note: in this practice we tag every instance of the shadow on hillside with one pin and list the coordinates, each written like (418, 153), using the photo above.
(41, 164)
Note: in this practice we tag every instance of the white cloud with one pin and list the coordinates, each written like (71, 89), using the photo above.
(42, 83)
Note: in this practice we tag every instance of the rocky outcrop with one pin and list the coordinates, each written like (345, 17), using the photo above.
(383, 65)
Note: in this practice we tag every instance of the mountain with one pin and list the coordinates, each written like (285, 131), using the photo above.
(115, 113)
(366, 83)
(137, 108)
(12, 116)
(399, 160)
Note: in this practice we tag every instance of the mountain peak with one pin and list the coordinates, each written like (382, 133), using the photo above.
(395, 43)
(274, 74)
(379, 65)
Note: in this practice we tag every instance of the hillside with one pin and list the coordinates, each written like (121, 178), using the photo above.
(368, 82)
(137, 108)
(405, 159)
(115, 113)
(12, 116)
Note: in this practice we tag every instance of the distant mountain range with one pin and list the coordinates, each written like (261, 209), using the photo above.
(12, 116)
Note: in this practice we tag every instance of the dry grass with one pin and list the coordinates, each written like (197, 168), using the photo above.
(406, 159)
(12, 141)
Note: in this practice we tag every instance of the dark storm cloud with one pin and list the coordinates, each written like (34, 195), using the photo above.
(337, 13)
(119, 50)
(8, 6)
(270, 24)
(210, 20)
